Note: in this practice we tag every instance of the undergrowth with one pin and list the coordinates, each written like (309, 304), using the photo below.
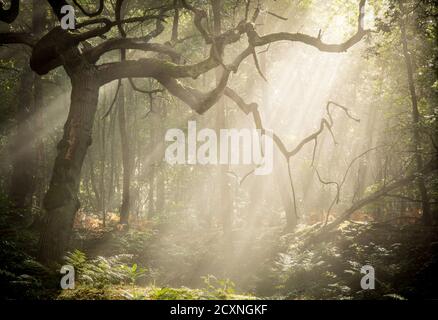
(145, 263)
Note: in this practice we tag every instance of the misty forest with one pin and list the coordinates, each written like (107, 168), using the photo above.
(346, 91)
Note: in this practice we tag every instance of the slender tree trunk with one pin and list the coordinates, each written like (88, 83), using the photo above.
(93, 182)
(152, 172)
(426, 217)
(151, 210)
(112, 159)
(126, 159)
(224, 206)
(61, 201)
(102, 172)
(363, 168)
(159, 150)
(285, 190)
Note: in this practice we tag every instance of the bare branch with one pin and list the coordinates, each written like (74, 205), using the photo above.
(92, 14)
(131, 43)
(276, 15)
(256, 61)
(107, 113)
(316, 42)
(428, 168)
(17, 38)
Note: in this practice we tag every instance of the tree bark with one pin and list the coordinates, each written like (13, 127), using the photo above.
(61, 201)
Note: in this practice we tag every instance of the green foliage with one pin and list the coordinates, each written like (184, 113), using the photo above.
(130, 242)
(403, 257)
(134, 273)
(220, 288)
(103, 271)
(21, 276)
(114, 292)
(175, 294)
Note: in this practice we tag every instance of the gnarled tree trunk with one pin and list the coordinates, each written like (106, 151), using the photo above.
(61, 201)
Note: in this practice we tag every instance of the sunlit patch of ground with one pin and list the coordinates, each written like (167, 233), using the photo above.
(146, 293)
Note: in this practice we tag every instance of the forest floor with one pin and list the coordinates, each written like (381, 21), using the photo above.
(158, 262)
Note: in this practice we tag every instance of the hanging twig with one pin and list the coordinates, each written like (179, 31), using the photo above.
(119, 84)
(276, 15)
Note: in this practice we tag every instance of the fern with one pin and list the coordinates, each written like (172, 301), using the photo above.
(102, 271)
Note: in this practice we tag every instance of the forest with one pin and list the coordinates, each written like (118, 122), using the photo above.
(218, 150)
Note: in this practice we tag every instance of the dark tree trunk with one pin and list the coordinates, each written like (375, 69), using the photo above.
(61, 201)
